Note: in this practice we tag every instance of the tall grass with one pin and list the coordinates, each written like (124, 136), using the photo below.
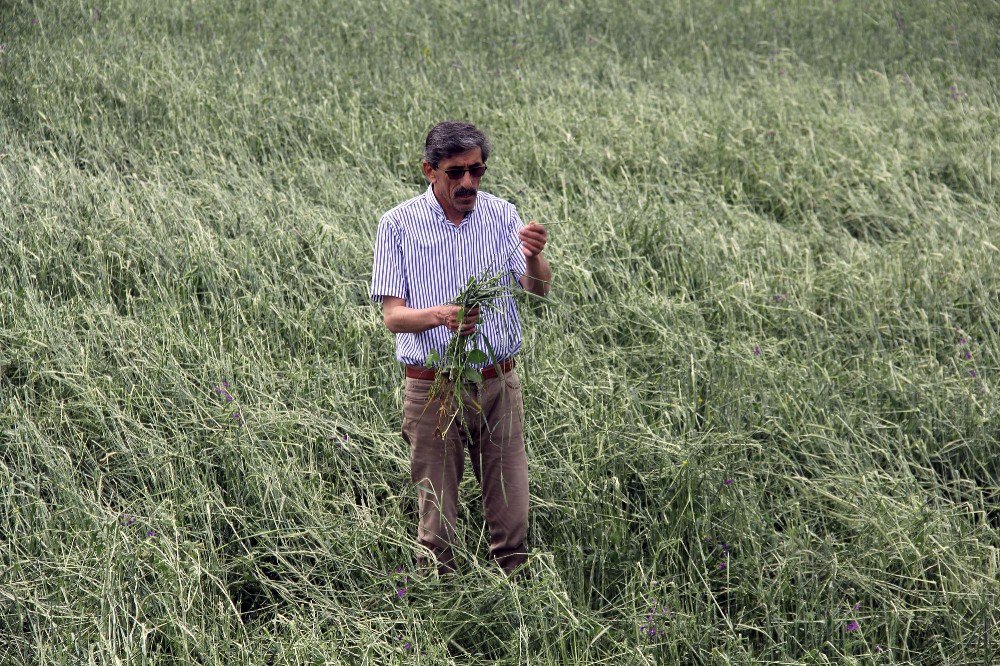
(761, 402)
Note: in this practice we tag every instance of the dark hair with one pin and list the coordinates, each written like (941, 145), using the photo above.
(448, 139)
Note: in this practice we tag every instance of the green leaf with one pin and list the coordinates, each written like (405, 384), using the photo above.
(472, 375)
(476, 356)
(432, 358)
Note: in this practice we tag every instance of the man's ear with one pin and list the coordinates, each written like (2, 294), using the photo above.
(428, 170)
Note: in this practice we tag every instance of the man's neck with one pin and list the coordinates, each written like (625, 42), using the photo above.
(453, 216)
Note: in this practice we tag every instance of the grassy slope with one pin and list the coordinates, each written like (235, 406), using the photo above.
(774, 235)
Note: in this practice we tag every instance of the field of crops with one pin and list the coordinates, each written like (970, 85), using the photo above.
(762, 400)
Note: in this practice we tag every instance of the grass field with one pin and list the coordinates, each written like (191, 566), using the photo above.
(762, 399)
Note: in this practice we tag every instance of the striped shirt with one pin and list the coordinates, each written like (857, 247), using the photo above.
(421, 257)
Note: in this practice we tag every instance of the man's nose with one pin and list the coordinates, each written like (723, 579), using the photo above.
(466, 181)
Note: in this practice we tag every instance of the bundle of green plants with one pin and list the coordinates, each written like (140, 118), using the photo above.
(456, 369)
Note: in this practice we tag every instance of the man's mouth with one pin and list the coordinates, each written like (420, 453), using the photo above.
(464, 194)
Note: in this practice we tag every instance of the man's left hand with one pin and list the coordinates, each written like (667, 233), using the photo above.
(533, 237)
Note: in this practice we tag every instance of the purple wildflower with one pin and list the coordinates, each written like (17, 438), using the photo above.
(151, 533)
(963, 341)
(130, 521)
(973, 374)
(756, 350)
(654, 626)
(967, 355)
(223, 391)
(778, 298)
(725, 547)
(408, 646)
(728, 482)
(722, 565)
(878, 647)
(853, 625)
(400, 593)
(34, 21)
(857, 606)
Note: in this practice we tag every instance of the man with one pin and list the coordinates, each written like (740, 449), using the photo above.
(426, 250)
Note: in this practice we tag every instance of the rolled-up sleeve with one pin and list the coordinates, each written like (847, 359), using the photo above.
(388, 271)
(518, 265)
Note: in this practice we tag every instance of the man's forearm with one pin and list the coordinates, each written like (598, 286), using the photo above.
(538, 278)
(412, 320)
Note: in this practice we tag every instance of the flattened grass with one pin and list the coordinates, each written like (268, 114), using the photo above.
(775, 263)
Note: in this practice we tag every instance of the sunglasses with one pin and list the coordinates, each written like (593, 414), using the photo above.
(456, 173)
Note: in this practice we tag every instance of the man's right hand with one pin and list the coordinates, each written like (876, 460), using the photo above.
(399, 318)
(448, 316)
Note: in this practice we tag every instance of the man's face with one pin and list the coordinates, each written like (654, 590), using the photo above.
(459, 194)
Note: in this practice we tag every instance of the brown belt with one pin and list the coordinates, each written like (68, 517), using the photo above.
(489, 372)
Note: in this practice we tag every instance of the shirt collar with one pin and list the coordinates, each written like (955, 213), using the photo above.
(433, 202)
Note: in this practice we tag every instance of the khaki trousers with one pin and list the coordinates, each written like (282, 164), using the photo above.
(492, 413)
